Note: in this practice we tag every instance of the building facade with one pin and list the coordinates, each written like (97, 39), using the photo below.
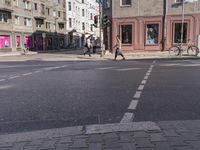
(37, 24)
(150, 25)
(80, 20)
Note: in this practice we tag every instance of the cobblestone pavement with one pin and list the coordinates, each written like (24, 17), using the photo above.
(166, 135)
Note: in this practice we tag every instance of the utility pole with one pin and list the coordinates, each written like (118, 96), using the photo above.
(101, 26)
(183, 18)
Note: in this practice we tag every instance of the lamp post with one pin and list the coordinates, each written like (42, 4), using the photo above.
(182, 23)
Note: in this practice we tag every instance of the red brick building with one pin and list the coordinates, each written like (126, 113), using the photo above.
(149, 25)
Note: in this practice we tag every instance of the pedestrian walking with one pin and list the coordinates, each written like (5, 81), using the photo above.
(88, 45)
(118, 48)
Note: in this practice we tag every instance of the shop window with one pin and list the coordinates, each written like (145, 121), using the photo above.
(177, 32)
(126, 34)
(152, 34)
(5, 41)
(18, 41)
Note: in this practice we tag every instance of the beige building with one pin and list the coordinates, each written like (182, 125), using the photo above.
(147, 25)
(37, 24)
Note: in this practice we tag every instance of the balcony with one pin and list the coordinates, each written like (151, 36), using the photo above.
(6, 5)
(39, 14)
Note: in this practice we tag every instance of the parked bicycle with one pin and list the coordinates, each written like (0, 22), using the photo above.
(179, 49)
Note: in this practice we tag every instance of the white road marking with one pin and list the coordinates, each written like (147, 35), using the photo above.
(14, 77)
(144, 82)
(105, 68)
(149, 71)
(146, 77)
(141, 87)
(128, 117)
(128, 69)
(133, 105)
(3, 87)
(26, 74)
(137, 94)
(37, 71)
(148, 74)
(2, 80)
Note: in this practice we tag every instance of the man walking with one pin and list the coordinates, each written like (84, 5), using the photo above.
(118, 48)
(88, 45)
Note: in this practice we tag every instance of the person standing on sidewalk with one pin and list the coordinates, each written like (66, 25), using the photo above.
(118, 48)
(88, 45)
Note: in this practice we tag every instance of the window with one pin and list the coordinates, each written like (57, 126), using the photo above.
(61, 26)
(5, 41)
(59, 14)
(107, 4)
(48, 25)
(125, 2)
(3, 17)
(18, 41)
(152, 34)
(177, 32)
(70, 6)
(48, 11)
(83, 12)
(35, 6)
(43, 9)
(54, 13)
(83, 26)
(83, 1)
(27, 5)
(70, 22)
(17, 20)
(178, 1)
(27, 22)
(126, 34)
(39, 23)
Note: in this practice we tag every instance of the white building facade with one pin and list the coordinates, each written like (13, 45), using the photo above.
(80, 20)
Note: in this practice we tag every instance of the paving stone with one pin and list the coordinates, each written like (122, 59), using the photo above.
(5, 149)
(146, 149)
(157, 137)
(78, 148)
(35, 142)
(51, 144)
(192, 124)
(170, 133)
(163, 146)
(112, 143)
(65, 140)
(195, 144)
(62, 145)
(111, 136)
(5, 145)
(140, 134)
(79, 143)
(183, 148)
(171, 125)
(189, 136)
(62, 148)
(31, 148)
(176, 141)
(18, 146)
(95, 146)
(95, 138)
(112, 149)
(128, 146)
(126, 137)
(143, 143)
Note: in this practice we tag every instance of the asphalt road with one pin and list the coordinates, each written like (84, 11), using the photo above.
(41, 95)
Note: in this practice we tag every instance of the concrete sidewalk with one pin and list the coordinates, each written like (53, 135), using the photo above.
(165, 135)
(77, 55)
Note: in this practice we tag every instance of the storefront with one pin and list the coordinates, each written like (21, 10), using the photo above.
(5, 42)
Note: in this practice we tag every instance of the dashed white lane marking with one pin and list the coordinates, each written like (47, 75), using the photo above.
(3, 87)
(141, 87)
(2, 80)
(128, 117)
(105, 68)
(144, 82)
(137, 94)
(128, 69)
(146, 77)
(133, 105)
(14, 77)
(26, 74)
(37, 71)
(148, 74)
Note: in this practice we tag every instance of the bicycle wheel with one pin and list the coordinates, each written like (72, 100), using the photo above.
(193, 51)
(174, 51)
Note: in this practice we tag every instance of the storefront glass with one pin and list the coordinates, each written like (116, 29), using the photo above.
(18, 41)
(126, 31)
(5, 41)
(29, 41)
(177, 33)
(152, 34)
